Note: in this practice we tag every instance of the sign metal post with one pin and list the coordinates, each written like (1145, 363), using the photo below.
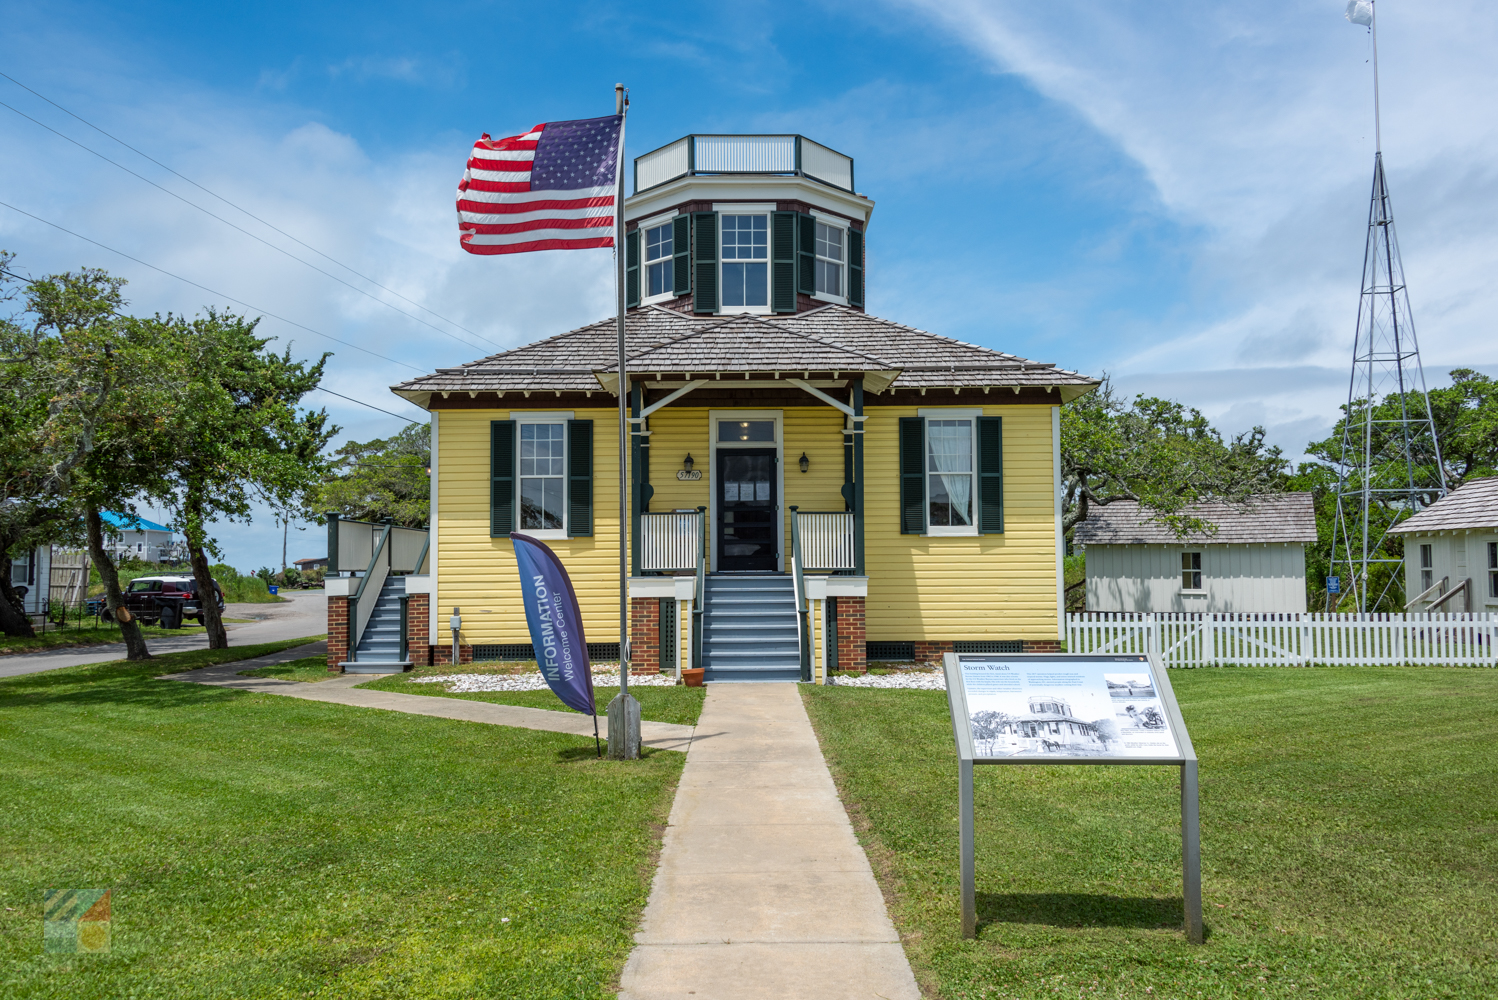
(1046, 684)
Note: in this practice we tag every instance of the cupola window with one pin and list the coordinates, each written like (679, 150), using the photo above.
(658, 252)
(829, 260)
(746, 261)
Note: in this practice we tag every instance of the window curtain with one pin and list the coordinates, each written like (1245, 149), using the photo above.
(951, 444)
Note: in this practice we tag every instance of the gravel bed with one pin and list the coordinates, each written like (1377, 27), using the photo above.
(473, 683)
(920, 680)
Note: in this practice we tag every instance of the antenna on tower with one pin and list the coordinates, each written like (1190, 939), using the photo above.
(1389, 440)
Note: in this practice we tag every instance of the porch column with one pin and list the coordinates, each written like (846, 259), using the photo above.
(858, 477)
(640, 488)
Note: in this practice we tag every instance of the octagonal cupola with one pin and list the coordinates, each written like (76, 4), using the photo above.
(757, 224)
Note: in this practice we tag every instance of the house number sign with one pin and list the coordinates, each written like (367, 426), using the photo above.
(1056, 708)
(689, 476)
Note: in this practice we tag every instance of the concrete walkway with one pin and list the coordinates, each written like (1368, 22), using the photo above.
(762, 889)
(341, 690)
(304, 613)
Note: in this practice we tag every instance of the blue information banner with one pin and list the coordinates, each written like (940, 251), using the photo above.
(555, 622)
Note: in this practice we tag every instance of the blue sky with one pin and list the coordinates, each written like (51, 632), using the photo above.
(1174, 192)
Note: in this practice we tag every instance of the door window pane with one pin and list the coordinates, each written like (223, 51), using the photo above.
(543, 459)
(949, 463)
(746, 430)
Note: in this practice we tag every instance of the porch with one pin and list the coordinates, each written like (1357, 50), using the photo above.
(748, 625)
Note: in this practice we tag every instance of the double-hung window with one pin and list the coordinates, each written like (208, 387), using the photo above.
(949, 476)
(746, 262)
(1191, 571)
(658, 249)
(1493, 569)
(543, 471)
(829, 260)
(1427, 569)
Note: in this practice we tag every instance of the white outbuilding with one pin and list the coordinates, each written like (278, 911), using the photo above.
(1254, 561)
(1451, 551)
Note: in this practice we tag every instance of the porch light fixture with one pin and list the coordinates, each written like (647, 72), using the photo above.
(686, 463)
(805, 462)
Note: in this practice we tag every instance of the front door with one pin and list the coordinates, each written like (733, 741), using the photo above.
(747, 506)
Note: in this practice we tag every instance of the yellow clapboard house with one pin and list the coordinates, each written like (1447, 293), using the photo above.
(809, 486)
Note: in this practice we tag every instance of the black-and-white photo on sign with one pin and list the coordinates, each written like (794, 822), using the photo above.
(1065, 707)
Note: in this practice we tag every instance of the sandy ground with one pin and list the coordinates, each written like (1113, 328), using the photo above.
(305, 613)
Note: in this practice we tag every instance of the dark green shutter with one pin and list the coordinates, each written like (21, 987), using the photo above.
(501, 478)
(783, 268)
(991, 475)
(705, 262)
(579, 478)
(912, 475)
(855, 268)
(806, 255)
(681, 260)
(632, 269)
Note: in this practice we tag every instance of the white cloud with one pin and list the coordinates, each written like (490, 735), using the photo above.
(1254, 123)
(391, 219)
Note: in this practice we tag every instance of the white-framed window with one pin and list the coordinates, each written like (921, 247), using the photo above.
(829, 264)
(1493, 569)
(543, 478)
(949, 476)
(745, 266)
(1191, 571)
(1427, 568)
(659, 280)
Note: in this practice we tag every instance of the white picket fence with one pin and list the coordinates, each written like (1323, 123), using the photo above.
(1203, 640)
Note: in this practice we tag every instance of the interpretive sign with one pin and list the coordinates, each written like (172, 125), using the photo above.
(1057, 708)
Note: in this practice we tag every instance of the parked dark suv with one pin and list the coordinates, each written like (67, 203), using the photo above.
(167, 599)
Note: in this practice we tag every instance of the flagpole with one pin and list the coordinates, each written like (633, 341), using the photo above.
(624, 711)
(619, 303)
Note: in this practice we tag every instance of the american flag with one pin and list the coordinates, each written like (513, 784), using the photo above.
(549, 189)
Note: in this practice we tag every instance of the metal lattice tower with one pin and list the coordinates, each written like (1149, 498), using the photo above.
(1391, 460)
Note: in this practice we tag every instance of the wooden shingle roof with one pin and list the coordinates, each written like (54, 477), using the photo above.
(1473, 505)
(1272, 517)
(832, 339)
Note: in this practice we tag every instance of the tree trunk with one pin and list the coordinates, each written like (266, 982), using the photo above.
(114, 600)
(218, 636)
(13, 620)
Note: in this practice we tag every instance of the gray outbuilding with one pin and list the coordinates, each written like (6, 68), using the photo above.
(1255, 561)
(1451, 551)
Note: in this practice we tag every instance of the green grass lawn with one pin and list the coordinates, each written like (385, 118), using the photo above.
(1349, 842)
(268, 847)
(92, 633)
(657, 704)
(308, 668)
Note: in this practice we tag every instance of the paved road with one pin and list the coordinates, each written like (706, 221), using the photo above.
(305, 613)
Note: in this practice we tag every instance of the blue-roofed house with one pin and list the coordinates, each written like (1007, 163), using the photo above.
(137, 538)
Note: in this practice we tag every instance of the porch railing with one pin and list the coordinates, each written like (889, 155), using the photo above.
(669, 541)
(699, 593)
(826, 540)
(798, 587)
(352, 545)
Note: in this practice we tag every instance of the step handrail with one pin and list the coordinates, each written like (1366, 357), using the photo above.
(359, 613)
(798, 584)
(700, 588)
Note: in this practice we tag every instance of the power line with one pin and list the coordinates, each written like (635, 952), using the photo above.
(361, 402)
(230, 298)
(318, 387)
(246, 211)
(241, 229)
